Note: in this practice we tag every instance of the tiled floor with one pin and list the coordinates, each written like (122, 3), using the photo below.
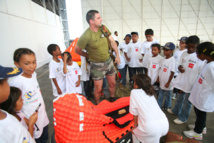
(46, 88)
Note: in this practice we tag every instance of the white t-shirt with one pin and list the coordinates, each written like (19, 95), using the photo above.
(177, 54)
(115, 37)
(22, 116)
(122, 61)
(147, 51)
(86, 73)
(133, 52)
(152, 122)
(168, 66)
(123, 46)
(153, 66)
(193, 66)
(202, 95)
(55, 71)
(12, 131)
(71, 77)
(32, 97)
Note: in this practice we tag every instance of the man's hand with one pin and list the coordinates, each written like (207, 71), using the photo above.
(117, 60)
(167, 85)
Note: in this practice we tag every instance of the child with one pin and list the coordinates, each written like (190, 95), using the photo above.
(189, 69)
(31, 94)
(202, 95)
(150, 123)
(72, 73)
(14, 104)
(121, 67)
(55, 70)
(177, 54)
(122, 48)
(85, 77)
(11, 130)
(154, 63)
(135, 58)
(146, 50)
(166, 74)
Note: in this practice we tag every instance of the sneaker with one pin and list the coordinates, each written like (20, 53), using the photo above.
(191, 127)
(112, 99)
(193, 135)
(177, 121)
(174, 96)
(170, 111)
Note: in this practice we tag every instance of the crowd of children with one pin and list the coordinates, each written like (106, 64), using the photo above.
(189, 71)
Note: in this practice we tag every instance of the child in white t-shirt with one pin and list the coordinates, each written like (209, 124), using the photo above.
(14, 104)
(55, 70)
(11, 130)
(165, 77)
(135, 57)
(122, 48)
(154, 63)
(31, 93)
(150, 123)
(202, 95)
(146, 50)
(72, 73)
(177, 54)
(189, 69)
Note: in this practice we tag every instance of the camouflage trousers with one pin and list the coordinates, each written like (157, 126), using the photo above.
(100, 69)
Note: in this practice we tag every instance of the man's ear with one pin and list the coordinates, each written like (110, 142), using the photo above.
(16, 64)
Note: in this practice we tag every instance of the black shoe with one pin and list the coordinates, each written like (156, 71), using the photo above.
(112, 99)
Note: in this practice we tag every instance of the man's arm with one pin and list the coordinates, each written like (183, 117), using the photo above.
(79, 51)
(114, 46)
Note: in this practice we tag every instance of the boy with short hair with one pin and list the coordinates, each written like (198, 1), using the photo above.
(146, 50)
(165, 77)
(177, 54)
(189, 69)
(122, 48)
(11, 130)
(55, 70)
(135, 58)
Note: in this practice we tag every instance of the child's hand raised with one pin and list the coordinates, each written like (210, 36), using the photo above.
(65, 57)
(33, 118)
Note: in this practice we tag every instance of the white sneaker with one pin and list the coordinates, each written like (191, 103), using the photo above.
(177, 121)
(174, 96)
(191, 127)
(193, 135)
(170, 111)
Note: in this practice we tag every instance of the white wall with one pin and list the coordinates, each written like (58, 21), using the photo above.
(170, 19)
(26, 24)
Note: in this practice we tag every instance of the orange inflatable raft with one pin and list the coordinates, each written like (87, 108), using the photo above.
(78, 120)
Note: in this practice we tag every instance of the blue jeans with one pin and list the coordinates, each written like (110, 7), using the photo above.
(182, 106)
(134, 71)
(44, 137)
(123, 75)
(168, 96)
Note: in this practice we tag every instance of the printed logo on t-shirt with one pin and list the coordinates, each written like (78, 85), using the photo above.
(76, 72)
(136, 50)
(25, 140)
(153, 66)
(200, 80)
(58, 70)
(165, 69)
(30, 94)
(191, 65)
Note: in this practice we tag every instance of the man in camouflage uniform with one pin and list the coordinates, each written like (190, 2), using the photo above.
(96, 45)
